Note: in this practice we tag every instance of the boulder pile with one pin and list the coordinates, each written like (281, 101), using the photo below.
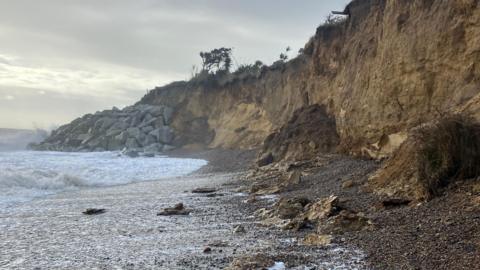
(139, 128)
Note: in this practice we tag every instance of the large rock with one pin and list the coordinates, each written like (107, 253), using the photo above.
(131, 153)
(132, 143)
(167, 148)
(115, 143)
(167, 115)
(149, 139)
(156, 111)
(163, 134)
(153, 148)
(135, 120)
(135, 132)
(122, 137)
(147, 129)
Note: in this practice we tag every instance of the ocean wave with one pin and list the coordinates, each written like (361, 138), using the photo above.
(37, 179)
(26, 175)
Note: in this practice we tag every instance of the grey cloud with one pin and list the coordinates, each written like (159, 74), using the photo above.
(80, 47)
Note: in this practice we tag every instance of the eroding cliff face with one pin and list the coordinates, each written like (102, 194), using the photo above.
(391, 66)
(308, 133)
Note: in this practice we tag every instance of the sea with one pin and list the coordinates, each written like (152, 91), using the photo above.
(26, 175)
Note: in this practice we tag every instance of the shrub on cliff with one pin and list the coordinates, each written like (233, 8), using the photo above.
(448, 150)
(217, 60)
(434, 155)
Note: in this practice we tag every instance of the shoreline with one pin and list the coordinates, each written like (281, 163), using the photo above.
(52, 233)
(131, 236)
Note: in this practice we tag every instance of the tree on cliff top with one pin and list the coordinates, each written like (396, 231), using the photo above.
(217, 60)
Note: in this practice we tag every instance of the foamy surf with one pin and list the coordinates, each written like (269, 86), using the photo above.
(25, 175)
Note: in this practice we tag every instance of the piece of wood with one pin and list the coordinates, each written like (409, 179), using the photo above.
(340, 13)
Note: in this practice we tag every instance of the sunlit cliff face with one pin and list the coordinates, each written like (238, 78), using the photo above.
(60, 59)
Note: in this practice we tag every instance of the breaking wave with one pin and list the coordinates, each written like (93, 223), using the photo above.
(25, 175)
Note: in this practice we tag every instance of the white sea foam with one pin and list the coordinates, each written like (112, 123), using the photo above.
(25, 175)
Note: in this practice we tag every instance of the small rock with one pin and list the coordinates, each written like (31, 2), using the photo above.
(179, 206)
(317, 240)
(213, 195)
(207, 250)
(239, 229)
(204, 190)
(93, 211)
(177, 210)
(345, 221)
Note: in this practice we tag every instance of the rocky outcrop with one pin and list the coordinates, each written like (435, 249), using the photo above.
(135, 128)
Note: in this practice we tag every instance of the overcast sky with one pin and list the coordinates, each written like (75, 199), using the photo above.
(60, 59)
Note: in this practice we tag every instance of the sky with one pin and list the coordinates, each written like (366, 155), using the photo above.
(60, 59)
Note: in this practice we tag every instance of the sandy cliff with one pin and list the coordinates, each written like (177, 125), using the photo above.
(391, 66)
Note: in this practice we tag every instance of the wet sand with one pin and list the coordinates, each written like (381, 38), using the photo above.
(52, 233)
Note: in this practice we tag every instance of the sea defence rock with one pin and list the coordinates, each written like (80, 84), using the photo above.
(139, 128)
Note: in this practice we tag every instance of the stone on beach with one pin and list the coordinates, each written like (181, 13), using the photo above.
(204, 190)
(317, 240)
(239, 229)
(94, 211)
(177, 210)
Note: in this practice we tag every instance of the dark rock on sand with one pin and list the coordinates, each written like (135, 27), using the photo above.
(177, 210)
(93, 211)
(239, 229)
(204, 190)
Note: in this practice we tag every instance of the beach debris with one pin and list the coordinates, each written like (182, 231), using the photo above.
(323, 208)
(239, 229)
(345, 221)
(314, 239)
(288, 208)
(94, 211)
(177, 210)
(207, 250)
(204, 190)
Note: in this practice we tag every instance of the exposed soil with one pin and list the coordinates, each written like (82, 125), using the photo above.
(310, 131)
